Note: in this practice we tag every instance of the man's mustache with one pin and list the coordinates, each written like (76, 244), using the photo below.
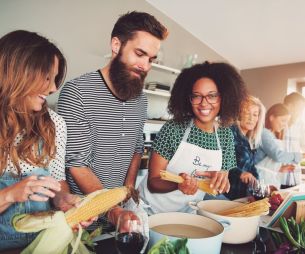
(141, 73)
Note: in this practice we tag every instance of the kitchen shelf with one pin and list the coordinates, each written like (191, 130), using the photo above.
(156, 66)
(166, 68)
(159, 93)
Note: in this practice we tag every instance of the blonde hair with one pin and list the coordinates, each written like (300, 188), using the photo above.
(26, 60)
(255, 135)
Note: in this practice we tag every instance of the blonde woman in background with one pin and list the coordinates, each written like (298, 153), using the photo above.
(247, 137)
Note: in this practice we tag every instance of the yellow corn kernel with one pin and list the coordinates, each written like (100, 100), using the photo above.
(93, 205)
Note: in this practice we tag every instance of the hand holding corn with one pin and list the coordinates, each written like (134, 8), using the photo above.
(56, 226)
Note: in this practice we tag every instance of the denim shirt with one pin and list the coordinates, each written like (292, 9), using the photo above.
(245, 163)
(9, 237)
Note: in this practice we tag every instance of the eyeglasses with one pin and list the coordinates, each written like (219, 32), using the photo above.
(211, 98)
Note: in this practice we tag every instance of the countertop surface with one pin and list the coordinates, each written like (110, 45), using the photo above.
(262, 244)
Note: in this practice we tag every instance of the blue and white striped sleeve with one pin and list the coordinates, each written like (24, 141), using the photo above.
(70, 107)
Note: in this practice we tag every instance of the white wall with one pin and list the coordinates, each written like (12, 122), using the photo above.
(271, 84)
(82, 30)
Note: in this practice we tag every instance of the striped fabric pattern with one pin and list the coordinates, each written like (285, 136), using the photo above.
(103, 131)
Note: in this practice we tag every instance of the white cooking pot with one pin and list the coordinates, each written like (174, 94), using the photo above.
(242, 229)
(209, 245)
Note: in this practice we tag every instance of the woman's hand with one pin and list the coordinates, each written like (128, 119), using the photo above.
(287, 168)
(34, 188)
(219, 180)
(247, 177)
(189, 185)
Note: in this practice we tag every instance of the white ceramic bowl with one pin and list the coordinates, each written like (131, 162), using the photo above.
(211, 245)
(242, 229)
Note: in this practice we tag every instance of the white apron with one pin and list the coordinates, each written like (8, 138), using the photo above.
(188, 158)
(295, 177)
(268, 169)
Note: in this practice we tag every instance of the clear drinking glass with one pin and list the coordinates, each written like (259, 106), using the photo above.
(129, 235)
(258, 189)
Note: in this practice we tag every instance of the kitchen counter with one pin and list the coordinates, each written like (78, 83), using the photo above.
(262, 244)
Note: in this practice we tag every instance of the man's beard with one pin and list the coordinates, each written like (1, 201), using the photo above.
(126, 87)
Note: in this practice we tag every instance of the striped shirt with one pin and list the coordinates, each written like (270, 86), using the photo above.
(104, 132)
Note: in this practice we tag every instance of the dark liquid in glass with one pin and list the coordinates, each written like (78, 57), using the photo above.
(130, 243)
(258, 197)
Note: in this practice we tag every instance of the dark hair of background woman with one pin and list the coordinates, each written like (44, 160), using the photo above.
(276, 110)
(229, 83)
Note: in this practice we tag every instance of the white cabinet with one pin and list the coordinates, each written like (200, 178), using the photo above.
(168, 71)
(165, 68)
(158, 99)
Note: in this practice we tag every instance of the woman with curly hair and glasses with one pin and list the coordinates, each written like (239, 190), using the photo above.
(205, 100)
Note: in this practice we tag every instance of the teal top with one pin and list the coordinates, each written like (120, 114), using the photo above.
(171, 134)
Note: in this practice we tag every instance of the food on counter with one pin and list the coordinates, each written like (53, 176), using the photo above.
(246, 210)
(56, 227)
(165, 246)
(294, 232)
(275, 201)
(203, 184)
(183, 231)
(96, 203)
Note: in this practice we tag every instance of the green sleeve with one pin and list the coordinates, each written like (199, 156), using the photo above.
(167, 140)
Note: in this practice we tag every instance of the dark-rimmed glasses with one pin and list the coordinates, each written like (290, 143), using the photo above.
(211, 98)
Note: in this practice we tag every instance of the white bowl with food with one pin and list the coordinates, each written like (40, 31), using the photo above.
(243, 228)
(204, 234)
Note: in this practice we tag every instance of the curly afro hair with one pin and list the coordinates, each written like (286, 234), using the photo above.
(229, 84)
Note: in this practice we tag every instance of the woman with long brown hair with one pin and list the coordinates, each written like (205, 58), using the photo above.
(32, 136)
(273, 151)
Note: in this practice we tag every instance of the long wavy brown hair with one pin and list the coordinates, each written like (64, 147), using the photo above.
(26, 61)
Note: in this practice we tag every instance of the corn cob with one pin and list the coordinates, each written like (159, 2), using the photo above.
(246, 210)
(96, 203)
(203, 184)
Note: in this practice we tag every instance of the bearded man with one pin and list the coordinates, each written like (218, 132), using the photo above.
(105, 110)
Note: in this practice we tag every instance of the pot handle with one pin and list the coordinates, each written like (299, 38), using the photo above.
(193, 205)
(225, 223)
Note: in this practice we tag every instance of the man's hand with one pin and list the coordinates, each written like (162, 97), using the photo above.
(65, 201)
